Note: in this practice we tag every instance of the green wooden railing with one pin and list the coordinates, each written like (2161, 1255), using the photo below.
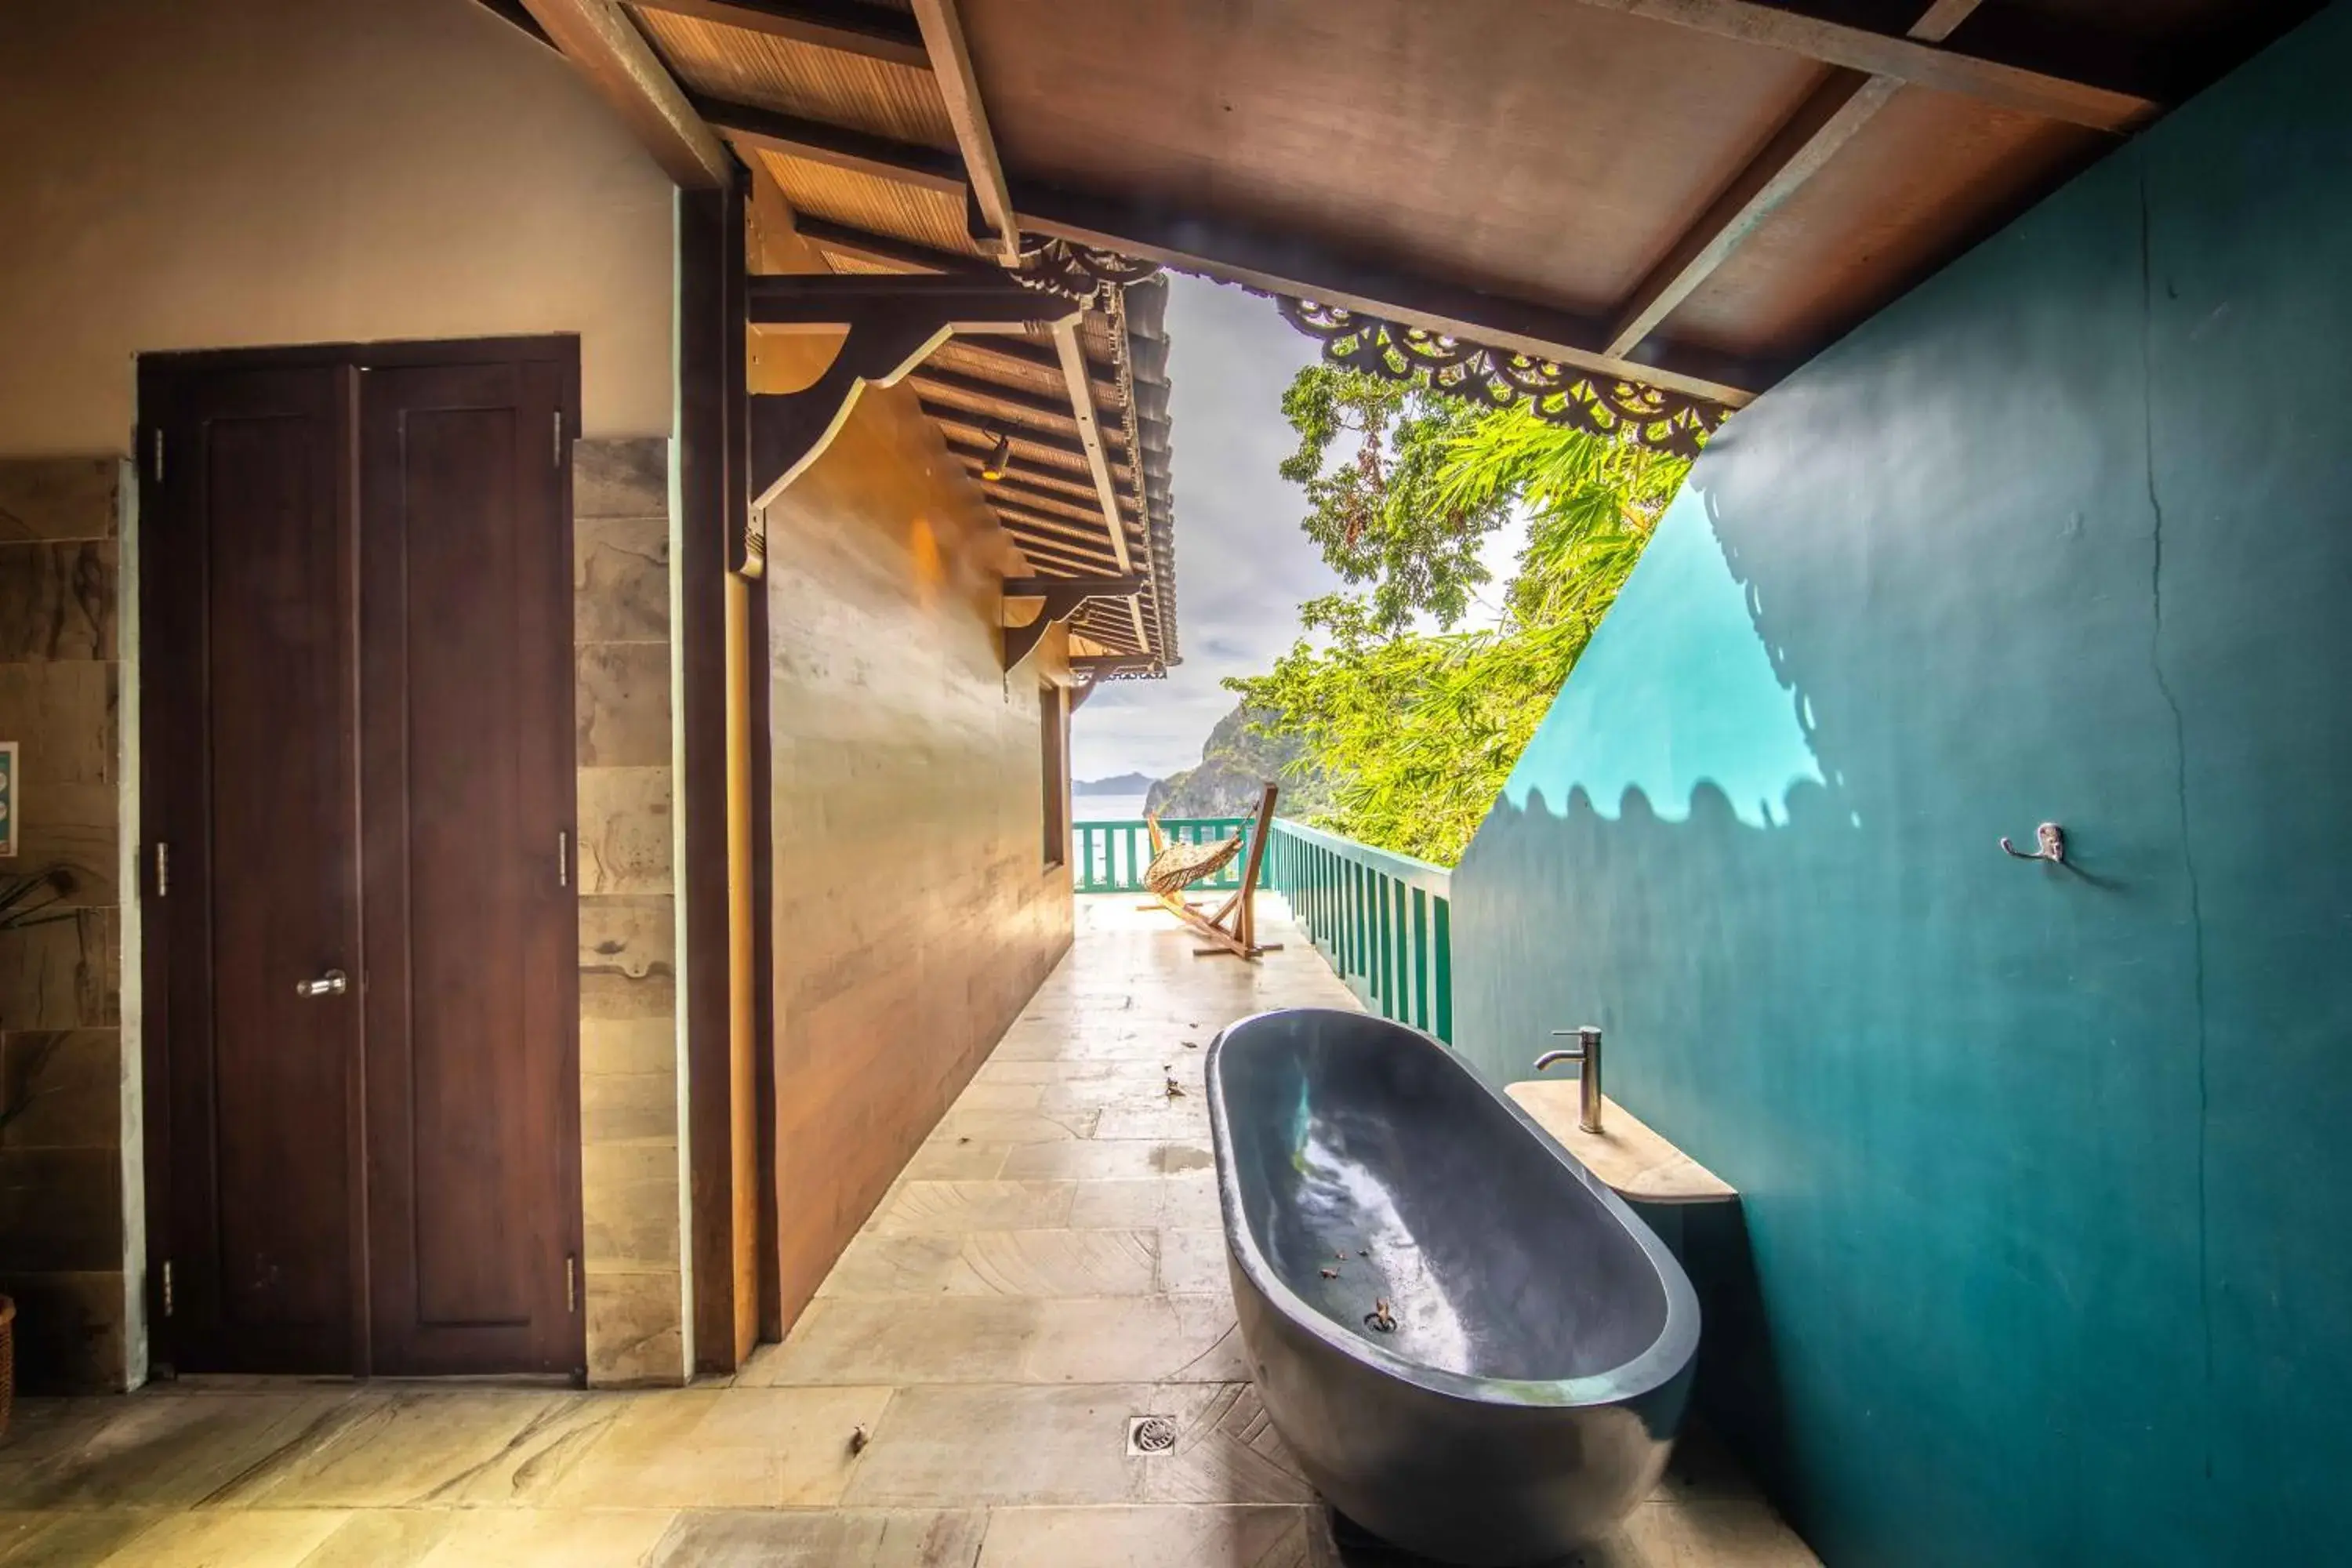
(1109, 857)
(1385, 922)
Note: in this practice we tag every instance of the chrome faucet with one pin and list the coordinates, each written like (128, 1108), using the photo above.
(1587, 1050)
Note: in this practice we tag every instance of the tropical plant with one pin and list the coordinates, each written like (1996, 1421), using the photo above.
(1417, 731)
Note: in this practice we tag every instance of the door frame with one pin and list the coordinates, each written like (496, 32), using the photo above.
(155, 373)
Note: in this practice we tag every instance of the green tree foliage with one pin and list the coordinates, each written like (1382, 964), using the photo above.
(1417, 731)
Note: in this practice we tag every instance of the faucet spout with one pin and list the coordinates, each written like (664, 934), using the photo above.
(1587, 1050)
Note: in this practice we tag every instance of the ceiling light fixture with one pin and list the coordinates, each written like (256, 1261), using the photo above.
(999, 457)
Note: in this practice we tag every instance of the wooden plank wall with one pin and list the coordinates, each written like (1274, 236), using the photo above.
(914, 912)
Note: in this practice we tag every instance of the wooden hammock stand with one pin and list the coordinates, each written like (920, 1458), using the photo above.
(1232, 928)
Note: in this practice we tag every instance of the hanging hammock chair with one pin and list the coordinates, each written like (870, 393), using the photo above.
(1176, 867)
(1232, 927)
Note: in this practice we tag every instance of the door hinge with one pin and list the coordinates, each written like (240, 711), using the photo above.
(167, 1287)
(162, 870)
(571, 1283)
(562, 858)
(558, 450)
(155, 439)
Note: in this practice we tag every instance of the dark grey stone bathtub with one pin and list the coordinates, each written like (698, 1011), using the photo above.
(1529, 1392)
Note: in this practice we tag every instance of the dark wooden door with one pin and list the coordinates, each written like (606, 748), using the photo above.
(251, 783)
(358, 723)
(467, 735)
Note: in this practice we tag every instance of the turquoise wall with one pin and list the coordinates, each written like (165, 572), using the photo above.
(2047, 1172)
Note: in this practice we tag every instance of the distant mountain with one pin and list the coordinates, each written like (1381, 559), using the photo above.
(1236, 762)
(1122, 784)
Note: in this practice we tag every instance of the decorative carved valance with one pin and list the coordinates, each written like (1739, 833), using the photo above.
(1586, 400)
(1102, 666)
(1075, 271)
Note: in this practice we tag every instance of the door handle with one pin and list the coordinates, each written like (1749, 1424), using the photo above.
(334, 983)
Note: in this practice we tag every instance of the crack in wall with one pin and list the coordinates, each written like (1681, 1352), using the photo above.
(2180, 789)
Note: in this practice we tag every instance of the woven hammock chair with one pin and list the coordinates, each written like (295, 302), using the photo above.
(1232, 928)
(1176, 867)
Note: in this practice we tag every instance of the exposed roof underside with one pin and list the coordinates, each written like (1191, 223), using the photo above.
(1673, 197)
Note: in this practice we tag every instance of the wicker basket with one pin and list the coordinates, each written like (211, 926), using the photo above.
(8, 1361)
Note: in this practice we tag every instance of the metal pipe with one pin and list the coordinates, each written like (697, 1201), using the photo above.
(1587, 1054)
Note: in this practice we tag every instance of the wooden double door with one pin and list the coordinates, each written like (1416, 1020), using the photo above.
(360, 927)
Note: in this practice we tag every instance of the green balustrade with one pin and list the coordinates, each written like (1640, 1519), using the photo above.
(1110, 856)
(1385, 922)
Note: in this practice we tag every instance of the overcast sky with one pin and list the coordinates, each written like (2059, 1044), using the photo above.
(1243, 564)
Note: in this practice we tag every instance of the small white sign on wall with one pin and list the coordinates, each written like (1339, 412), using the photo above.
(7, 800)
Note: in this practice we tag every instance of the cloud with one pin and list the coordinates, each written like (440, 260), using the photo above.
(1243, 565)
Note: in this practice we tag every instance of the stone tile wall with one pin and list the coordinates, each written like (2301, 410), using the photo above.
(634, 1263)
(63, 685)
(63, 1051)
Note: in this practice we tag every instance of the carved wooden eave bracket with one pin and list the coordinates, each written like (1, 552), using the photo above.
(1079, 272)
(1589, 400)
(1065, 597)
(1101, 667)
(894, 323)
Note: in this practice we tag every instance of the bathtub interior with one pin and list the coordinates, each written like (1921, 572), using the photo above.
(1373, 1167)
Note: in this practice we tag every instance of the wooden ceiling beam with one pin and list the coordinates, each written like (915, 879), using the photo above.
(1076, 526)
(1038, 357)
(1038, 489)
(1805, 143)
(1047, 552)
(842, 26)
(1086, 537)
(1281, 264)
(1021, 435)
(604, 47)
(1078, 376)
(1300, 268)
(1015, 405)
(942, 30)
(1907, 59)
(838, 146)
(888, 250)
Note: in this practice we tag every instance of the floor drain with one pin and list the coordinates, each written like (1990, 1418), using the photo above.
(1149, 1434)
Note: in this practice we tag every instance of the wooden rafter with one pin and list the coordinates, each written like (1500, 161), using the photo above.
(1073, 502)
(1039, 357)
(604, 45)
(1278, 264)
(1807, 140)
(1904, 59)
(1053, 525)
(942, 30)
(955, 383)
(1042, 552)
(888, 250)
(839, 24)
(1053, 483)
(859, 151)
(1050, 552)
(1040, 441)
(1058, 505)
(1078, 375)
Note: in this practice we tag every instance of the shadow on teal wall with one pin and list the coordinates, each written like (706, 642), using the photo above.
(2047, 1172)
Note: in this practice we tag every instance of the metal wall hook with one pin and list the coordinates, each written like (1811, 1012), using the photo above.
(2051, 841)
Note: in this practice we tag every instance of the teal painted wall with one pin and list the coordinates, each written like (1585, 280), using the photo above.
(2047, 1172)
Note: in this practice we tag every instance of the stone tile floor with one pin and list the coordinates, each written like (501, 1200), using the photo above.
(959, 1394)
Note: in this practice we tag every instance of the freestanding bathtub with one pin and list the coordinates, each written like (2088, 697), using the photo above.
(1473, 1348)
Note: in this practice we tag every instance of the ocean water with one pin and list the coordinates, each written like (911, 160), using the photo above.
(1106, 808)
